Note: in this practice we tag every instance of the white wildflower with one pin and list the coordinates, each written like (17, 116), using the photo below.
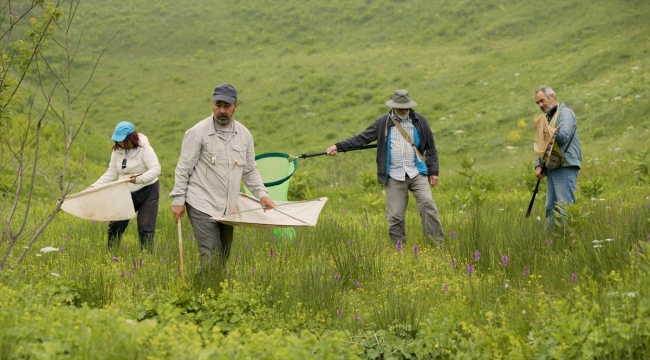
(39, 254)
(523, 312)
(635, 68)
(516, 74)
(608, 240)
(49, 249)
(598, 246)
(458, 132)
(618, 98)
(597, 241)
(630, 294)
(55, 275)
(538, 218)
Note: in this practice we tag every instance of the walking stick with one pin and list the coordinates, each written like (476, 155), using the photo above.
(180, 249)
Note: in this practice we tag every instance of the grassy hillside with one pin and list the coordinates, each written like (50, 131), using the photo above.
(311, 73)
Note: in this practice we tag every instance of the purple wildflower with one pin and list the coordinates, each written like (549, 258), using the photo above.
(135, 265)
(399, 245)
(504, 260)
(122, 274)
(253, 271)
(356, 317)
(452, 234)
(272, 253)
(357, 283)
(116, 259)
(345, 211)
(574, 278)
(339, 313)
(549, 241)
(470, 268)
(130, 275)
(191, 237)
(526, 271)
(445, 288)
(67, 238)
(453, 263)
(337, 276)
(141, 262)
(350, 242)
(416, 249)
(62, 248)
(477, 255)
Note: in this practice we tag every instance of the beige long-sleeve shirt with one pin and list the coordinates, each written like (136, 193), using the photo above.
(214, 161)
(141, 160)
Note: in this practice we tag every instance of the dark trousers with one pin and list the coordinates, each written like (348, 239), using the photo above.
(145, 203)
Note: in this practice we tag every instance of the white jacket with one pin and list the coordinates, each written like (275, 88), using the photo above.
(142, 160)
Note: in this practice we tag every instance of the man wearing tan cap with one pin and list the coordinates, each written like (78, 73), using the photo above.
(406, 160)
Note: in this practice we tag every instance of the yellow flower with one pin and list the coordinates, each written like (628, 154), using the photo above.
(436, 346)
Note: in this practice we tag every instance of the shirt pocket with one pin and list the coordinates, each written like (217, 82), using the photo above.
(238, 155)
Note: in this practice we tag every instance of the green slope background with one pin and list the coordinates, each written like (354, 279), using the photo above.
(310, 73)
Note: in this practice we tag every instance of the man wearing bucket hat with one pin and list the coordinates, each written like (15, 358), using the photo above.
(406, 160)
(134, 158)
(217, 154)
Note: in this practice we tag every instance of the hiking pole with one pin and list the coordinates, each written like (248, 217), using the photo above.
(363, 147)
(532, 200)
(180, 249)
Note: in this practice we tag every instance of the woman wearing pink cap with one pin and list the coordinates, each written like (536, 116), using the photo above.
(134, 158)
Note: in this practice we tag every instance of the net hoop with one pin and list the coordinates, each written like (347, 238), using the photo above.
(280, 155)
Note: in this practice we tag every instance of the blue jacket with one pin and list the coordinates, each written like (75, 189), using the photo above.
(381, 131)
(568, 125)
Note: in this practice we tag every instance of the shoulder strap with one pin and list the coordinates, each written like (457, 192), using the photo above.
(407, 137)
(557, 115)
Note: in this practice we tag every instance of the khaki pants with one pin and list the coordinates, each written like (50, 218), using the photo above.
(212, 237)
(396, 201)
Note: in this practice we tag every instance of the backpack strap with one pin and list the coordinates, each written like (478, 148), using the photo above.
(406, 137)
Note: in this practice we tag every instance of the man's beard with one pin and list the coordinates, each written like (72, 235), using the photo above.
(222, 120)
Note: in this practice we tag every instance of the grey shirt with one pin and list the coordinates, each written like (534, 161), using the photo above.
(214, 161)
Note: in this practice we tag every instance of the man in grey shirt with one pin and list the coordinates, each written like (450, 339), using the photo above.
(216, 156)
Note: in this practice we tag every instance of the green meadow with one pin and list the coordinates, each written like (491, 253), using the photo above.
(309, 74)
